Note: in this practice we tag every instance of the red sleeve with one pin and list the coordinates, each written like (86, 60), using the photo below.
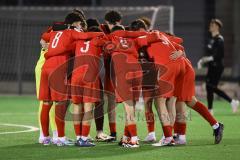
(129, 34)
(46, 36)
(141, 41)
(153, 37)
(48, 30)
(99, 41)
(175, 39)
(134, 34)
(77, 35)
(178, 46)
(148, 39)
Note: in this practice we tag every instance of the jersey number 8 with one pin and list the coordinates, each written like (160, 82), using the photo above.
(56, 39)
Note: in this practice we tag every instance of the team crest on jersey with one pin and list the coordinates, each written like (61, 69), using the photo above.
(125, 44)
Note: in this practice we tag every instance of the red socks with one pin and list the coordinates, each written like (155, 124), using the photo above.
(85, 130)
(126, 132)
(150, 121)
(167, 131)
(203, 111)
(180, 128)
(132, 129)
(60, 111)
(44, 118)
(78, 129)
(112, 127)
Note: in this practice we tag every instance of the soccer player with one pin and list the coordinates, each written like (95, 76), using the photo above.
(112, 18)
(173, 70)
(180, 78)
(128, 75)
(148, 81)
(52, 85)
(180, 123)
(185, 92)
(214, 61)
(85, 86)
(38, 69)
(94, 25)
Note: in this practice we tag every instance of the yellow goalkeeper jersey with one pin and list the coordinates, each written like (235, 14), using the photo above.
(38, 69)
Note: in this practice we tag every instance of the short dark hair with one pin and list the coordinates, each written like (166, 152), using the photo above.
(91, 22)
(82, 15)
(137, 24)
(113, 16)
(80, 12)
(217, 22)
(72, 17)
(94, 29)
(117, 27)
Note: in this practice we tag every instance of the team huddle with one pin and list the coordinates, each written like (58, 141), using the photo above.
(83, 61)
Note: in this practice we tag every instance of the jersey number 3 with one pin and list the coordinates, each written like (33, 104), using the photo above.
(56, 39)
(86, 48)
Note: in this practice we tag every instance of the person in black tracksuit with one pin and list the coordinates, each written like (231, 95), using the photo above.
(214, 62)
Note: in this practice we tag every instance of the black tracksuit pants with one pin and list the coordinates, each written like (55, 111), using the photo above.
(213, 77)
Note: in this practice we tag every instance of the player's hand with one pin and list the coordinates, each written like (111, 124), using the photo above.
(44, 44)
(175, 55)
(200, 64)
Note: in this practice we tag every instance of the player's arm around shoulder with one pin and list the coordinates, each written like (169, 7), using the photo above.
(78, 35)
(148, 39)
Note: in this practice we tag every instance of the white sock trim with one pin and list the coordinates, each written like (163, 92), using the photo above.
(151, 133)
(134, 139)
(62, 138)
(215, 126)
(84, 138)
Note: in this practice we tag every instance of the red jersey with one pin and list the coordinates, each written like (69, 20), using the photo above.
(171, 38)
(90, 47)
(161, 51)
(87, 53)
(126, 42)
(50, 28)
(86, 66)
(61, 42)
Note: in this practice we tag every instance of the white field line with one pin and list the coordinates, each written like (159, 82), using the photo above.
(28, 128)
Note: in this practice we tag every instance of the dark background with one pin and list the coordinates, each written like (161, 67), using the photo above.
(191, 19)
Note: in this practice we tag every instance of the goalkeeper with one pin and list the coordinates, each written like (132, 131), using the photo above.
(38, 70)
(214, 61)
